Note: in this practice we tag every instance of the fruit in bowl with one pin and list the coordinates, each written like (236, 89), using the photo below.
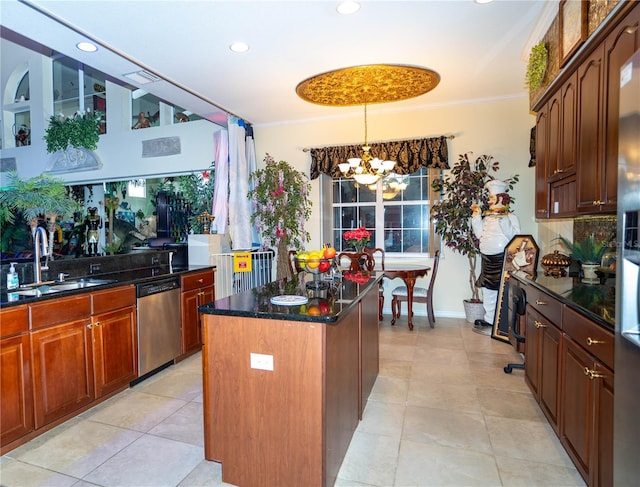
(314, 261)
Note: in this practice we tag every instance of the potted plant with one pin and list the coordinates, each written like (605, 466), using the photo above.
(460, 189)
(589, 252)
(71, 140)
(41, 196)
(280, 196)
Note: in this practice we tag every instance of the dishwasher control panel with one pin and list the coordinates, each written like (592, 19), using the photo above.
(156, 287)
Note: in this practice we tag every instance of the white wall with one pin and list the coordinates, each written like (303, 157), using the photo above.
(500, 128)
(120, 150)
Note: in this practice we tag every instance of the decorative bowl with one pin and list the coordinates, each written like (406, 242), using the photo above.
(555, 264)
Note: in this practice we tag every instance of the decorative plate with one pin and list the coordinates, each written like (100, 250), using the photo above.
(289, 300)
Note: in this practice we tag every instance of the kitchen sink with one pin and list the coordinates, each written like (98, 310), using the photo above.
(51, 287)
(67, 286)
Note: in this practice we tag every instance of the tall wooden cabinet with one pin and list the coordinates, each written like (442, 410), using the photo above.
(577, 125)
(16, 407)
(197, 289)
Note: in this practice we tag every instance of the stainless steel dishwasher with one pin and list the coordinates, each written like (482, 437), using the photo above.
(158, 323)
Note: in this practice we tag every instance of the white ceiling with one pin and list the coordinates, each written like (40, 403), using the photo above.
(480, 51)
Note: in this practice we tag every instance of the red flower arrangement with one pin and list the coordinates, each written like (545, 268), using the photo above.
(361, 277)
(358, 238)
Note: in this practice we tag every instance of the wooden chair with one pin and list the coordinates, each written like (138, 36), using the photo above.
(373, 252)
(357, 261)
(420, 295)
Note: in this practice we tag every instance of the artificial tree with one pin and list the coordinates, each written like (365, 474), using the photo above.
(460, 189)
(281, 208)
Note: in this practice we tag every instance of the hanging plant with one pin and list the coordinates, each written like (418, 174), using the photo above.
(537, 66)
(81, 130)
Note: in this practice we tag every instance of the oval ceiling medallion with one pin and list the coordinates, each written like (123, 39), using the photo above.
(372, 83)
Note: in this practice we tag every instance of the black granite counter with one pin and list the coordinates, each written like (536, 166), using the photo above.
(596, 301)
(325, 305)
(113, 279)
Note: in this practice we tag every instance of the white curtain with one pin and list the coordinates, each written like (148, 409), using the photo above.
(252, 166)
(221, 180)
(239, 205)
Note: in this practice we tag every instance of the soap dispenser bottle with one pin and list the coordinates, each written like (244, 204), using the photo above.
(12, 278)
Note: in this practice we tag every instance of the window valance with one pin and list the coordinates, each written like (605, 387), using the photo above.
(410, 155)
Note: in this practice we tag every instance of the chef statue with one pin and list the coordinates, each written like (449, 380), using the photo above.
(494, 230)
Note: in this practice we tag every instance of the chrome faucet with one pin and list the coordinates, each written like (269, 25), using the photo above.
(41, 248)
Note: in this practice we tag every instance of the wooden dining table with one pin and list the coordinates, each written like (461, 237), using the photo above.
(408, 272)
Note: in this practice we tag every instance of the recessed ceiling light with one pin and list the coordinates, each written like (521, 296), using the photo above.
(483, 1)
(348, 7)
(239, 47)
(87, 47)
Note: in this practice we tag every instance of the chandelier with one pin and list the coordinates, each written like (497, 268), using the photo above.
(366, 169)
(362, 85)
(392, 185)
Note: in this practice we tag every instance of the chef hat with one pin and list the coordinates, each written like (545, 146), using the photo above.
(496, 186)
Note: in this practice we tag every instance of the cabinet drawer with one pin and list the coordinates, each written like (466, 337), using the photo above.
(590, 336)
(63, 310)
(110, 299)
(544, 304)
(197, 280)
(14, 321)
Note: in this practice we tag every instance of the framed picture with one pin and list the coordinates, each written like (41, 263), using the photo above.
(572, 27)
(521, 257)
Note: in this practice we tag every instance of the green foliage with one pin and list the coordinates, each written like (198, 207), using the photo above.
(281, 204)
(588, 251)
(537, 66)
(461, 188)
(198, 189)
(81, 130)
(41, 195)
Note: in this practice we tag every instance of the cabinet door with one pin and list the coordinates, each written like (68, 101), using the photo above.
(554, 114)
(190, 320)
(567, 156)
(576, 405)
(533, 344)
(550, 343)
(618, 48)
(16, 407)
(542, 191)
(62, 370)
(602, 474)
(115, 349)
(590, 132)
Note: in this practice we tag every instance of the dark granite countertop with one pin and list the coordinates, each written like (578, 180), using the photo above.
(325, 306)
(115, 279)
(595, 301)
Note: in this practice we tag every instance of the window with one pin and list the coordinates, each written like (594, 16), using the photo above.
(78, 88)
(395, 210)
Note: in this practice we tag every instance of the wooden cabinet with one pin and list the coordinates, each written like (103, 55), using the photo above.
(618, 48)
(587, 398)
(114, 339)
(542, 351)
(197, 289)
(62, 358)
(577, 126)
(16, 406)
(590, 134)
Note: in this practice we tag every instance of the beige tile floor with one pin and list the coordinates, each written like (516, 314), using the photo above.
(442, 413)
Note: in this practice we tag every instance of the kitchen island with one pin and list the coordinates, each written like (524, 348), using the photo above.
(285, 385)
